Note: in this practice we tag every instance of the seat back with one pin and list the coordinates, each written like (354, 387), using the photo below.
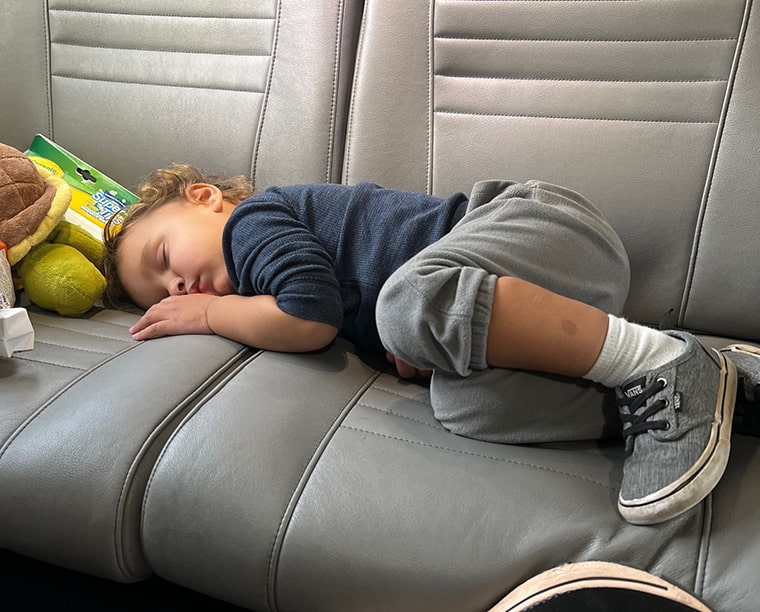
(647, 108)
(254, 87)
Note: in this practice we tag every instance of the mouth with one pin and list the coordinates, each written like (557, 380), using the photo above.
(195, 287)
(201, 287)
(207, 286)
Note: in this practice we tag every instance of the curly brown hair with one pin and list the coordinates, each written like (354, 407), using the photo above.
(160, 187)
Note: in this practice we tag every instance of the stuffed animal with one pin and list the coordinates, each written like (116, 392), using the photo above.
(55, 261)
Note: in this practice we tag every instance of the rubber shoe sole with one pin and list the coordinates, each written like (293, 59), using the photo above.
(597, 585)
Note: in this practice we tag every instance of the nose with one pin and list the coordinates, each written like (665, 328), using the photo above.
(177, 286)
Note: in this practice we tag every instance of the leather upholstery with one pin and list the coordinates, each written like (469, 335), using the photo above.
(233, 87)
(320, 481)
(631, 114)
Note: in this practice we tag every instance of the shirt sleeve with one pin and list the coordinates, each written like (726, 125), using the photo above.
(271, 252)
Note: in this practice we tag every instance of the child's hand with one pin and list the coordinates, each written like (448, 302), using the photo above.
(178, 314)
(408, 371)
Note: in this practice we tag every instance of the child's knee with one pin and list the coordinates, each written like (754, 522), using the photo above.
(396, 322)
(427, 314)
(405, 318)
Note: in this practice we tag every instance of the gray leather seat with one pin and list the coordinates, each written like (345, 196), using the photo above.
(321, 481)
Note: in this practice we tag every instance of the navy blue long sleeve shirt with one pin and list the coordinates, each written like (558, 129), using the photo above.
(325, 250)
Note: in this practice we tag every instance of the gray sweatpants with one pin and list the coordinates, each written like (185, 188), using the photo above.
(435, 310)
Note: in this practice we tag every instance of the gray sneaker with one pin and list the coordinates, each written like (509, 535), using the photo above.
(677, 428)
(746, 358)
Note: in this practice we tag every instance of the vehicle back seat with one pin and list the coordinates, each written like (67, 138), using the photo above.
(321, 481)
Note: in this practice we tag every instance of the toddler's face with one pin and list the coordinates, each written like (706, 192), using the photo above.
(174, 250)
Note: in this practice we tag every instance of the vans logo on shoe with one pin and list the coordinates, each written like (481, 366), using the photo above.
(635, 388)
(633, 391)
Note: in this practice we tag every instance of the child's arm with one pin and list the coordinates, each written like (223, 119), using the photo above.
(255, 321)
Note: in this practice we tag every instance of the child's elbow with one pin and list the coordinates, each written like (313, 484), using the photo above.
(318, 336)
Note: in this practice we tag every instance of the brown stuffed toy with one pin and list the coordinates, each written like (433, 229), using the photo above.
(54, 261)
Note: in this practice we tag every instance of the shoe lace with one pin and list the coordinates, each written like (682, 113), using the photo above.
(635, 422)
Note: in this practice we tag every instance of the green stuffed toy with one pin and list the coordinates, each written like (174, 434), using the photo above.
(55, 261)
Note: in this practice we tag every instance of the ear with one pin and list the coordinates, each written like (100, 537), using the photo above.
(205, 195)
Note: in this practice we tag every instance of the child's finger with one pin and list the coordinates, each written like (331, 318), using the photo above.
(147, 333)
(406, 370)
(149, 318)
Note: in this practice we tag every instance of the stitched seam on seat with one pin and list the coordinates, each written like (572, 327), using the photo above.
(401, 395)
(564, 118)
(479, 455)
(335, 87)
(560, 80)
(588, 40)
(390, 412)
(155, 50)
(212, 390)
(700, 579)
(168, 15)
(431, 93)
(85, 371)
(193, 403)
(353, 99)
(547, 1)
(71, 348)
(267, 91)
(146, 84)
(308, 470)
(693, 260)
(38, 324)
(50, 363)
(48, 68)
(120, 326)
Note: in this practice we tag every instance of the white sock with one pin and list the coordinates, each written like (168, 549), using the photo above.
(632, 350)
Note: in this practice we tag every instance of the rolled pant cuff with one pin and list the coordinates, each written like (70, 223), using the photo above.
(481, 321)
